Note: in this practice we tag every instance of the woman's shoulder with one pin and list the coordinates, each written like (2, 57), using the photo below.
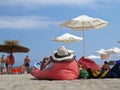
(3, 60)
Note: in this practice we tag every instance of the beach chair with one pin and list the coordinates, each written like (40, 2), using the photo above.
(14, 70)
(17, 70)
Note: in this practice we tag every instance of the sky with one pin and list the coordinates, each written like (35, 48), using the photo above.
(35, 22)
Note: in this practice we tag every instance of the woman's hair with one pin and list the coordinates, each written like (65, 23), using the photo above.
(105, 62)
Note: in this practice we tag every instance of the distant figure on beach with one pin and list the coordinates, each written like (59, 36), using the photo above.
(11, 62)
(7, 63)
(27, 64)
(105, 66)
(3, 64)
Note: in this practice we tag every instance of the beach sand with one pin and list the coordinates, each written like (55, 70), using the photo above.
(28, 82)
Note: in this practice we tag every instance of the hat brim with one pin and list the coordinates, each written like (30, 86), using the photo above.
(63, 58)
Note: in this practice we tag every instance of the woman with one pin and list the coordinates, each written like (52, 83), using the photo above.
(3, 65)
(62, 66)
(105, 66)
(27, 64)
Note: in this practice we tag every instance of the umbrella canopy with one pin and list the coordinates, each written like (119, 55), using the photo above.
(83, 23)
(12, 46)
(67, 38)
(113, 50)
(104, 55)
(101, 51)
(93, 57)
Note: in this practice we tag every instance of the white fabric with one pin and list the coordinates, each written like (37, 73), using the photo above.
(101, 51)
(93, 57)
(67, 38)
(62, 51)
(49, 66)
(84, 22)
(113, 50)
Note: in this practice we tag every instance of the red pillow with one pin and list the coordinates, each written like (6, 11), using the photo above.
(68, 70)
(88, 63)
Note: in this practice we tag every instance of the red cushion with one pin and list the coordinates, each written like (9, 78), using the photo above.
(88, 63)
(60, 71)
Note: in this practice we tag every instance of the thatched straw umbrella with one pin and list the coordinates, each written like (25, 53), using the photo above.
(12, 46)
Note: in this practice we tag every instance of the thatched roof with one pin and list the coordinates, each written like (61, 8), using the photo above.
(11, 42)
(12, 46)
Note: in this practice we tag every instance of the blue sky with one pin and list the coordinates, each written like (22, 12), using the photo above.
(35, 22)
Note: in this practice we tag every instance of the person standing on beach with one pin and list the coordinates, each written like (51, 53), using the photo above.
(27, 64)
(11, 62)
(3, 65)
(7, 63)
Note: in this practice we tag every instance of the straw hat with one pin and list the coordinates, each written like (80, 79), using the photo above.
(62, 54)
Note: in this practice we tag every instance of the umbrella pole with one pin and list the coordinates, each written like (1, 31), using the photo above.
(83, 42)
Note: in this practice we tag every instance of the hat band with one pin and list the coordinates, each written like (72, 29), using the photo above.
(61, 56)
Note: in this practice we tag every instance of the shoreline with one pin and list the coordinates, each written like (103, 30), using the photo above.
(28, 82)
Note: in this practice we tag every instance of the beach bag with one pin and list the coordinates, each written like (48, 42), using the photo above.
(84, 74)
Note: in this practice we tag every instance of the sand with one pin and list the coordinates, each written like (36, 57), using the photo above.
(28, 82)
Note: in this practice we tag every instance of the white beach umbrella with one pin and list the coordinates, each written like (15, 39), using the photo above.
(93, 57)
(100, 51)
(104, 55)
(83, 23)
(114, 50)
(67, 38)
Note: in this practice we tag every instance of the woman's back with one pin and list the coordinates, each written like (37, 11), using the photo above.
(106, 66)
